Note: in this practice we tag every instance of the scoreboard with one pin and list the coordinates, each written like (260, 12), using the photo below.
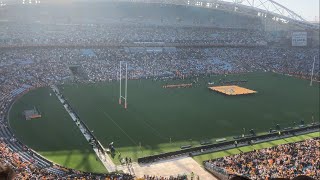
(299, 39)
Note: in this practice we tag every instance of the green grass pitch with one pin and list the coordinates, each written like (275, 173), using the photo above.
(54, 136)
(156, 115)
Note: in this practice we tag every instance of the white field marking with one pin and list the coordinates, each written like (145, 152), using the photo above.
(104, 158)
(124, 132)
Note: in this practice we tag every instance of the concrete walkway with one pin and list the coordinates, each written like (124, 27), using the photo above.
(172, 167)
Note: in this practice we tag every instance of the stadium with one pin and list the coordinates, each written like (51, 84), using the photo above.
(163, 89)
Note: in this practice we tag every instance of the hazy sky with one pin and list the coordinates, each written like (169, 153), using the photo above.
(308, 9)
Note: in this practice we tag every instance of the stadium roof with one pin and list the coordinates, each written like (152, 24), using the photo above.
(261, 8)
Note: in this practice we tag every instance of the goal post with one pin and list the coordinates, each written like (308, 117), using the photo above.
(121, 97)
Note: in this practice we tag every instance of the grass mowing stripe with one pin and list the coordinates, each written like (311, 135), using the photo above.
(109, 117)
(145, 122)
(263, 145)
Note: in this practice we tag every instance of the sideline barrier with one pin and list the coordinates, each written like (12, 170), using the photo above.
(230, 144)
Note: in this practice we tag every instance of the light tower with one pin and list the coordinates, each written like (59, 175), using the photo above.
(123, 63)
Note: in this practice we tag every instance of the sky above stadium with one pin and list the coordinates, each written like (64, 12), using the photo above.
(308, 9)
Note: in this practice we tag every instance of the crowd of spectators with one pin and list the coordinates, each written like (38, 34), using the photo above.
(114, 34)
(282, 161)
(23, 169)
(50, 66)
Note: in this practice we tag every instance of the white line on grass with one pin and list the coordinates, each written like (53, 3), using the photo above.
(109, 117)
(155, 131)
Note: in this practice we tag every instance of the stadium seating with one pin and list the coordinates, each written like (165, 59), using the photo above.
(187, 40)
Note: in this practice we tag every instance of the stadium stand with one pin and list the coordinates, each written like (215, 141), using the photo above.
(283, 161)
(37, 55)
